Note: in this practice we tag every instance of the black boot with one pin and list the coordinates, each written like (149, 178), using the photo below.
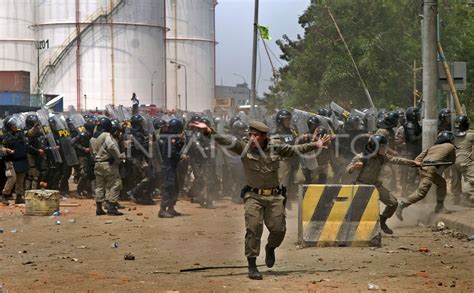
(254, 274)
(269, 256)
(384, 227)
(4, 200)
(173, 212)
(112, 209)
(440, 209)
(164, 214)
(19, 199)
(98, 210)
(399, 211)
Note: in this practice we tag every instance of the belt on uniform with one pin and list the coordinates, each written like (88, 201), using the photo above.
(265, 192)
(103, 161)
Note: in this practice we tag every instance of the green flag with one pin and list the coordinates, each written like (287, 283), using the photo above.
(264, 32)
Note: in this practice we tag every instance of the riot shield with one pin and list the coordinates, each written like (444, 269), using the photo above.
(243, 117)
(70, 156)
(111, 112)
(299, 121)
(339, 110)
(46, 130)
(325, 121)
(77, 120)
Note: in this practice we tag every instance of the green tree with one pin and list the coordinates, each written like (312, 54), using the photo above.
(384, 38)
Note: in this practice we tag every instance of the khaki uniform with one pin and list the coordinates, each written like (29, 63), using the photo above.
(106, 154)
(388, 173)
(261, 172)
(464, 166)
(370, 173)
(444, 152)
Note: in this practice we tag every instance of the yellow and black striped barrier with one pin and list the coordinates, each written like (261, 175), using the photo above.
(339, 215)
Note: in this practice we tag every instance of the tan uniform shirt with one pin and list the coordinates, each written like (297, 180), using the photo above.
(261, 165)
(369, 174)
(444, 152)
(464, 145)
(105, 148)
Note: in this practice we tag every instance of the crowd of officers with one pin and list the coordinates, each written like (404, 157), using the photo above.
(145, 157)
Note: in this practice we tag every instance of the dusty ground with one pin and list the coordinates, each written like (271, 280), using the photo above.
(79, 257)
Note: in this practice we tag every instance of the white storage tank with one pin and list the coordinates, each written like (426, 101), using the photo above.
(121, 50)
(190, 45)
(17, 39)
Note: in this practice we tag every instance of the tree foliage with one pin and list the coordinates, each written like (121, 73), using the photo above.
(384, 38)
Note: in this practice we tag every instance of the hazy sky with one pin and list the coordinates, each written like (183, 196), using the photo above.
(234, 32)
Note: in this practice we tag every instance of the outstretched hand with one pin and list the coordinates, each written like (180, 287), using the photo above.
(201, 125)
(322, 143)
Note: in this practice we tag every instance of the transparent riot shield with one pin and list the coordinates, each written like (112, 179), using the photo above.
(70, 156)
(77, 120)
(46, 130)
(299, 121)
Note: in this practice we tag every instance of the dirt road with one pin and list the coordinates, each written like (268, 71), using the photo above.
(78, 255)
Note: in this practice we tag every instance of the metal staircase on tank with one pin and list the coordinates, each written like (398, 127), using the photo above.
(62, 50)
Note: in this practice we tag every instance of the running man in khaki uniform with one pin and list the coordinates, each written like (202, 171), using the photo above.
(263, 196)
(442, 152)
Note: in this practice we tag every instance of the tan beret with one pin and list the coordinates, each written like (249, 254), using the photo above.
(260, 126)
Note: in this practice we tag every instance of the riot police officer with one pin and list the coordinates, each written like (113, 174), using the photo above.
(14, 145)
(288, 165)
(444, 120)
(171, 143)
(142, 172)
(36, 153)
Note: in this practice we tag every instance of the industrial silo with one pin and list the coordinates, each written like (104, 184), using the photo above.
(17, 49)
(101, 51)
(190, 52)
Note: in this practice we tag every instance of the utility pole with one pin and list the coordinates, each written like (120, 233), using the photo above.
(430, 71)
(253, 94)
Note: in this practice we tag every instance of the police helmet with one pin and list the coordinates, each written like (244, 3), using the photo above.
(325, 112)
(444, 115)
(31, 120)
(158, 123)
(137, 121)
(321, 131)
(104, 124)
(374, 142)
(175, 126)
(461, 123)
(282, 114)
(413, 114)
(313, 123)
(352, 123)
(445, 137)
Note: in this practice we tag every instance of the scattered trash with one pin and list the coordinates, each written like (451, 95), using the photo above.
(74, 259)
(71, 220)
(109, 222)
(114, 245)
(129, 256)
(372, 286)
(424, 249)
(403, 248)
(449, 246)
(1, 231)
(56, 214)
(82, 247)
(139, 214)
(57, 222)
(470, 238)
(13, 231)
(440, 225)
(27, 262)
